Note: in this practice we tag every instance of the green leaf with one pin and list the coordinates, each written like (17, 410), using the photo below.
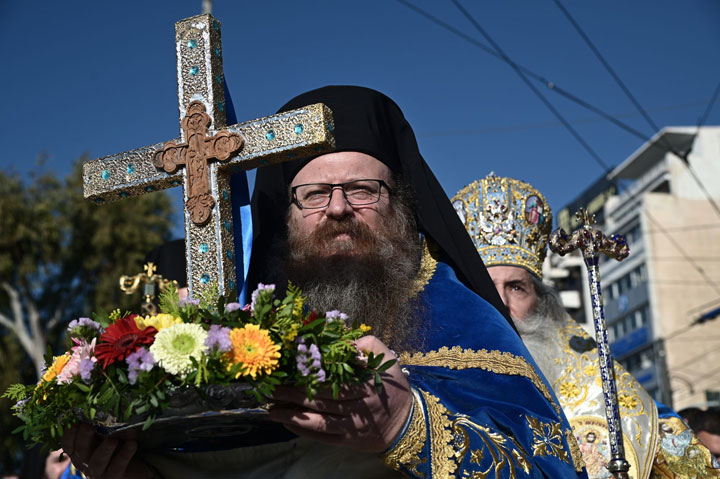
(154, 401)
(386, 365)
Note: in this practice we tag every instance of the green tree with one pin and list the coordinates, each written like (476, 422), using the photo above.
(61, 258)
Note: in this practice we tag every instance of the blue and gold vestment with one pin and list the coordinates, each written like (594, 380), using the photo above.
(481, 407)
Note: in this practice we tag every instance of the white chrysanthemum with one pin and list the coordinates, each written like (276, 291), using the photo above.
(175, 345)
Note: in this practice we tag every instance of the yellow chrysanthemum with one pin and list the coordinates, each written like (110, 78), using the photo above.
(160, 321)
(569, 389)
(57, 366)
(253, 348)
(365, 328)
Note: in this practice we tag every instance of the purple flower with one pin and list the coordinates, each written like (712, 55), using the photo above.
(261, 287)
(314, 353)
(76, 323)
(310, 355)
(86, 368)
(336, 315)
(230, 307)
(188, 300)
(219, 337)
(140, 360)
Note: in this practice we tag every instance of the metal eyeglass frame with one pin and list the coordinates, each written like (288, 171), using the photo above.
(342, 188)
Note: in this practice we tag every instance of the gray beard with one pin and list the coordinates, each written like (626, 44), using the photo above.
(371, 277)
(539, 332)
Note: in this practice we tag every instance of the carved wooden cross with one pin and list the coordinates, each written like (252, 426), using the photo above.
(207, 153)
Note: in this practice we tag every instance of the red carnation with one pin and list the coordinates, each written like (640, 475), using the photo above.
(311, 317)
(122, 338)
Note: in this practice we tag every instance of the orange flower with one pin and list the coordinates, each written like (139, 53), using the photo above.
(253, 348)
(56, 367)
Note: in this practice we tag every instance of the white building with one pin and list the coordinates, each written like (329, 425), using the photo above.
(672, 276)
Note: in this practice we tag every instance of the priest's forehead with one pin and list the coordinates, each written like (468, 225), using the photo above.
(342, 166)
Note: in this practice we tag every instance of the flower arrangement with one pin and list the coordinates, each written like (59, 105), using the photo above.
(124, 366)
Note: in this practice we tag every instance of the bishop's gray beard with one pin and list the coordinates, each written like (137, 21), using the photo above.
(370, 276)
(539, 330)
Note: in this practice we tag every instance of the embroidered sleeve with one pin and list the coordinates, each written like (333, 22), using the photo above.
(681, 454)
(439, 444)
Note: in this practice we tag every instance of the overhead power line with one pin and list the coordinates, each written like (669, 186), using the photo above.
(525, 79)
(531, 74)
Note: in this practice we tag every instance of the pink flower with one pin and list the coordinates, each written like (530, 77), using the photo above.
(81, 350)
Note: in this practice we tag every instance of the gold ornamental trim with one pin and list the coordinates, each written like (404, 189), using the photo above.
(407, 451)
(497, 362)
(428, 265)
(575, 453)
(441, 450)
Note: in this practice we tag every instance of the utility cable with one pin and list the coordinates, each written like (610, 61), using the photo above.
(535, 76)
(537, 92)
(682, 155)
(702, 119)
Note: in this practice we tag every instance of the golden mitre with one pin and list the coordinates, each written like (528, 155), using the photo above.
(508, 220)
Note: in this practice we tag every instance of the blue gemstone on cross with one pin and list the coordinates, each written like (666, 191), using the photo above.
(205, 279)
(270, 135)
(105, 174)
(192, 43)
(229, 254)
(203, 248)
(194, 70)
(298, 128)
(131, 168)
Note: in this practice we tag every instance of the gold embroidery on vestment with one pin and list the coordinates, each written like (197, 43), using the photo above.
(575, 453)
(681, 454)
(407, 451)
(428, 265)
(503, 450)
(547, 439)
(441, 451)
(494, 361)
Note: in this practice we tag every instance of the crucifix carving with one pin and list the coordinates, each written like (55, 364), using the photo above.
(198, 149)
(207, 153)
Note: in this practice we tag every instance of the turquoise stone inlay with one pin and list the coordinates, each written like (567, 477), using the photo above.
(218, 78)
(228, 225)
(330, 127)
(231, 284)
(205, 279)
(216, 25)
(229, 254)
(204, 248)
(217, 51)
(105, 174)
(131, 168)
(99, 201)
(221, 107)
(123, 194)
(194, 70)
(270, 135)
(225, 195)
(175, 183)
(192, 43)
(149, 188)
(298, 128)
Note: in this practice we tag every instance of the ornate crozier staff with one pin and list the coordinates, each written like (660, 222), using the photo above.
(592, 242)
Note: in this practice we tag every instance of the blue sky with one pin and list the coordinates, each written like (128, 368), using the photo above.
(99, 77)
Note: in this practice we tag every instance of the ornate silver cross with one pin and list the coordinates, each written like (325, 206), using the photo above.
(207, 153)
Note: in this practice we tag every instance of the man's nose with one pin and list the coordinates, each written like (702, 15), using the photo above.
(338, 206)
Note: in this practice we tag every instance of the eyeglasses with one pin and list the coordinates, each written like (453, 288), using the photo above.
(357, 193)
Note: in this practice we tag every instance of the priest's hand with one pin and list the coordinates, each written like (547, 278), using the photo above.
(360, 418)
(102, 458)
